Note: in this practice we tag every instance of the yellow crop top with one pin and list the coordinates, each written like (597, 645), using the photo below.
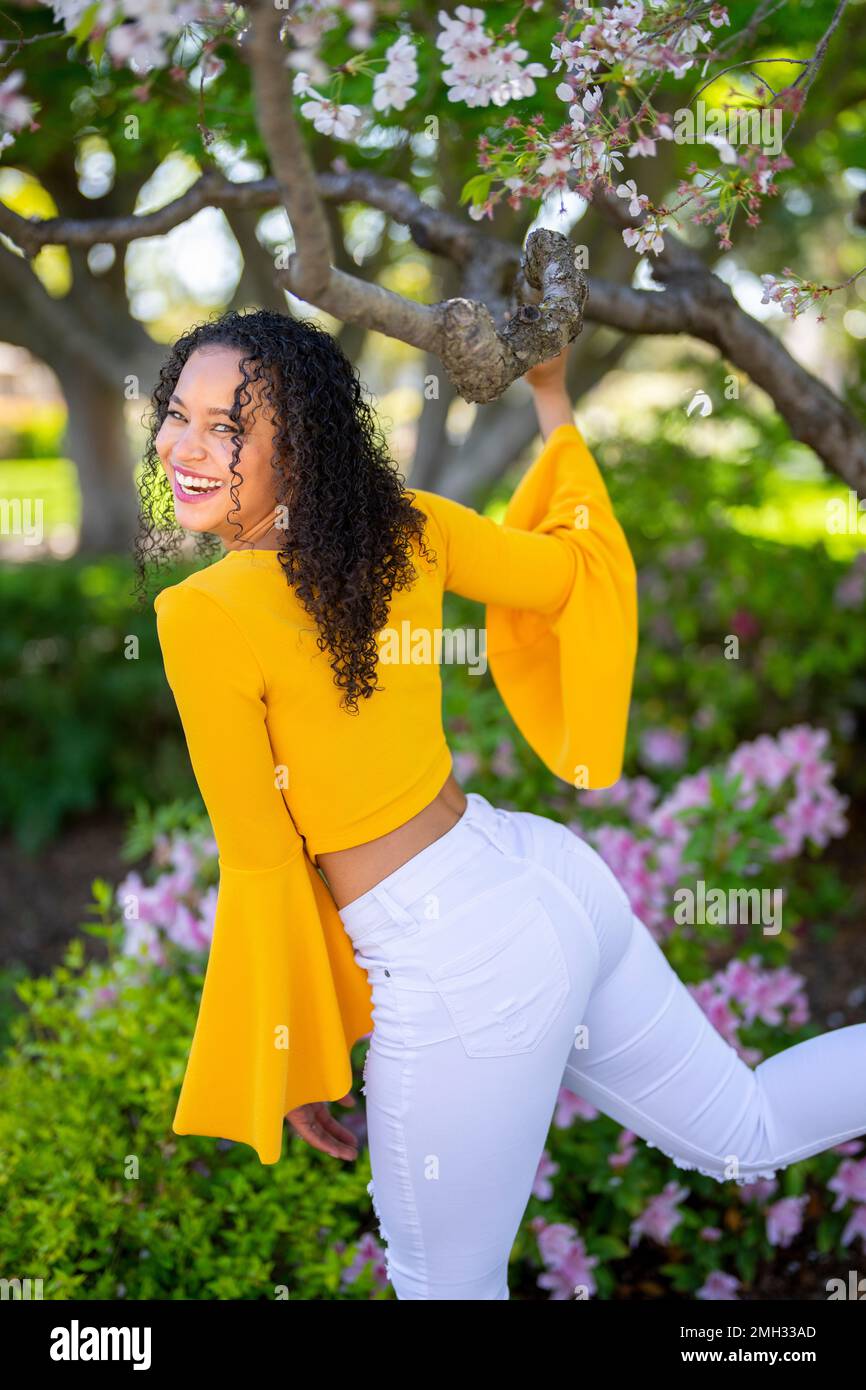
(286, 774)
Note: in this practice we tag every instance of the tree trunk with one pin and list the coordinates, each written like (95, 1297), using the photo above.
(98, 441)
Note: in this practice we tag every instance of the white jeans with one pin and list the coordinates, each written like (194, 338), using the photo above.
(505, 962)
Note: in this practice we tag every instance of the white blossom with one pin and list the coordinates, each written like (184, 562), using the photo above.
(691, 36)
(478, 70)
(395, 87)
(638, 201)
(329, 118)
(647, 237)
(16, 111)
(726, 152)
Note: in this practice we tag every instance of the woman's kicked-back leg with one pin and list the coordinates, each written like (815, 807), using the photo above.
(647, 1055)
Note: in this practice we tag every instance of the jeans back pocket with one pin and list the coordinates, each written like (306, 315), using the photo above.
(504, 993)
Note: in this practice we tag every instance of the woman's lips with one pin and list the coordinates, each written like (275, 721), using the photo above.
(180, 492)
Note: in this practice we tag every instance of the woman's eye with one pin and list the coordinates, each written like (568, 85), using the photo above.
(221, 425)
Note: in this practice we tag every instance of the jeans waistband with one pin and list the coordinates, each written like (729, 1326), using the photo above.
(388, 900)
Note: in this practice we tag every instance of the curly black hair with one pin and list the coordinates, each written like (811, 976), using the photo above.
(349, 522)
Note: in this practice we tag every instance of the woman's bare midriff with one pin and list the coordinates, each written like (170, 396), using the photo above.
(349, 873)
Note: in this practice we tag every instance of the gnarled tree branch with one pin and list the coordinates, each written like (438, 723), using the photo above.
(517, 308)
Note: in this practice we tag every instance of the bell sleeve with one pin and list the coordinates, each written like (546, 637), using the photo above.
(560, 588)
(283, 998)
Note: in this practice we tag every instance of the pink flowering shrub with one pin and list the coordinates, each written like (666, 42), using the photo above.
(176, 904)
(601, 1194)
(770, 801)
(606, 1192)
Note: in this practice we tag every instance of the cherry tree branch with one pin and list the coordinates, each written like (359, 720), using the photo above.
(518, 307)
(481, 357)
(694, 300)
(309, 271)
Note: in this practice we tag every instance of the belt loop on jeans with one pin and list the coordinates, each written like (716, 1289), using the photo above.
(395, 909)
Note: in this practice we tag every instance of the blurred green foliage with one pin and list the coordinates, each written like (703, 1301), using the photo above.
(88, 719)
(101, 1201)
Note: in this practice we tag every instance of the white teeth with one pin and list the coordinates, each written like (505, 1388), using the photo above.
(190, 484)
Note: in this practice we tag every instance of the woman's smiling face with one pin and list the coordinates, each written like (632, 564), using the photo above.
(195, 447)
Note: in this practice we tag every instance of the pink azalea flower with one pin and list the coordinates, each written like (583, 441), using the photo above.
(849, 1183)
(660, 1216)
(717, 1009)
(503, 762)
(718, 1287)
(542, 1187)
(569, 1268)
(801, 742)
(186, 930)
(635, 795)
(207, 906)
(141, 938)
(629, 858)
(466, 764)
(850, 1146)
(625, 1150)
(856, 1227)
(184, 863)
(663, 747)
(757, 1191)
(554, 1239)
(785, 1220)
(689, 792)
(570, 1107)
(368, 1252)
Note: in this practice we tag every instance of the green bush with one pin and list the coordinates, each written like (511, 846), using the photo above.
(101, 1200)
(88, 718)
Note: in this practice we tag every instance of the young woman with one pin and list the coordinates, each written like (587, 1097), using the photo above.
(491, 953)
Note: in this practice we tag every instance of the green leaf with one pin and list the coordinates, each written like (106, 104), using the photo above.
(475, 190)
(85, 24)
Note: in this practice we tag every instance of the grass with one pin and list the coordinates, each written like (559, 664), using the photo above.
(51, 481)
